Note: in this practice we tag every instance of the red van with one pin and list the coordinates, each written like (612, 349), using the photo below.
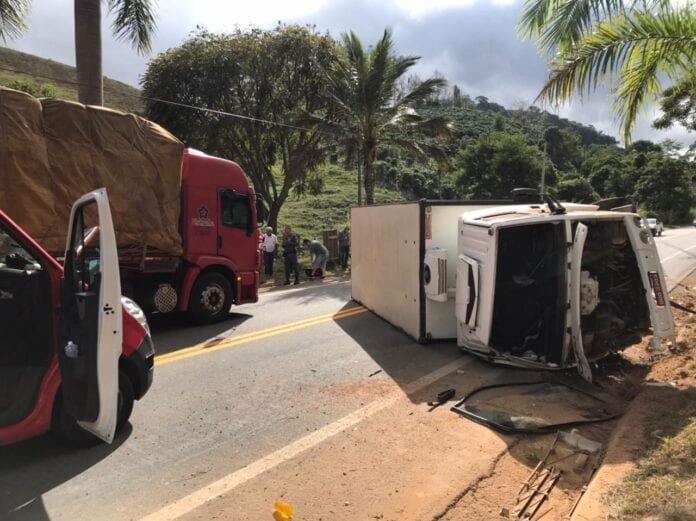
(74, 354)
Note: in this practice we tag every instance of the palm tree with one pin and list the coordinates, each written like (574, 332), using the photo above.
(134, 22)
(369, 109)
(632, 46)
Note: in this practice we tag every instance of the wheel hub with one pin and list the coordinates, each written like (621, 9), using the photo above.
(213, 298)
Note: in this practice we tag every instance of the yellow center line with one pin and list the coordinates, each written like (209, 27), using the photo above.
(214, 345)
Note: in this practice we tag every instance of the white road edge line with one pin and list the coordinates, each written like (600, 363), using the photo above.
(680, 252)
(231, 481)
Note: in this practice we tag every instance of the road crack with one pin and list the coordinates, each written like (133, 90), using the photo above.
(474, 486)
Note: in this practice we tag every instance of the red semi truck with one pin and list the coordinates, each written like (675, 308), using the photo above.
(186, 223)
(220, 262)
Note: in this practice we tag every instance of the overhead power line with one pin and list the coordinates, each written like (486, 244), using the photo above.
(169, 102)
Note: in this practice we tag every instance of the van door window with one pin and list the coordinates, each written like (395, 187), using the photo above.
(235, 209)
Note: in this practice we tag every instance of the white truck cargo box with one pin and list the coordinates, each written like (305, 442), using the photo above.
(404, 262)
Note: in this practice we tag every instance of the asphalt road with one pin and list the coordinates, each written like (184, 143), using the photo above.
(215, 410)
(677, 249)
(251, 387)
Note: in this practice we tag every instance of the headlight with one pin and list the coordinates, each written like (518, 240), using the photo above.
(136, 312)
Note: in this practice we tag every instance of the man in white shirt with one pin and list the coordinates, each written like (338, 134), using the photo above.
(270, 242)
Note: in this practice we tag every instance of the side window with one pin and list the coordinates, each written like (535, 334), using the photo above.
(236, 212)
(83, 261)
(14, 256)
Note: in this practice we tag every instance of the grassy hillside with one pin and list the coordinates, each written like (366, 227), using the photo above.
(330, 210)
(20, 67)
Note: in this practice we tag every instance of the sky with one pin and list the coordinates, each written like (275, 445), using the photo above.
(472, 43)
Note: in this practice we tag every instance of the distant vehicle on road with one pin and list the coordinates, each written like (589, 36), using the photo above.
(653, 225)
(74, 354)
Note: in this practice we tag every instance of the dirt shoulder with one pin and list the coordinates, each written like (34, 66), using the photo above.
(411, 462)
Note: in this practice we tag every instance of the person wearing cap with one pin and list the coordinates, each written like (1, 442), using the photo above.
(270, 243)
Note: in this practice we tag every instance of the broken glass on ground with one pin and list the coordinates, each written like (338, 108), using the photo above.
(533, 407)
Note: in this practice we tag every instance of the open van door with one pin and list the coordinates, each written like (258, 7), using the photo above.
(583, 365)
(656, 290)
(91, 324)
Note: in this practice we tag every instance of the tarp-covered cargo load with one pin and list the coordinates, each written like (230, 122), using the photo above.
(52, 151)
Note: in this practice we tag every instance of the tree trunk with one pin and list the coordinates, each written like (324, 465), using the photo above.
(274, 210)
(369, 173)
(88, 51)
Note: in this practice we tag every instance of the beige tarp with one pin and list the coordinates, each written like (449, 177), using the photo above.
(53, 151)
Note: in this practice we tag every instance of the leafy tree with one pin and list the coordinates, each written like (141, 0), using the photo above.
(370, 108)
(665, 188)
(576, 189)
(563, 148)
(631, 44)
(494, 165)
(678, 105)
(135, 22)
(260, 75)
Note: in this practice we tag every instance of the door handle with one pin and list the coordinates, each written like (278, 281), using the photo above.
(219, 241)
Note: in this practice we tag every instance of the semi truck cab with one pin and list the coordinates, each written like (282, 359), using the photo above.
(220, 260)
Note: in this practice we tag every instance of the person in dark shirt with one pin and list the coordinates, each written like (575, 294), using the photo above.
(344, 247)
(290, 245)
(319, 255)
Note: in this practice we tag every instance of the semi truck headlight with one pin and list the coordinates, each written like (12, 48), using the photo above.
(136, 312)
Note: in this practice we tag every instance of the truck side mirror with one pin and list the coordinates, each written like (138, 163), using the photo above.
(261, 213)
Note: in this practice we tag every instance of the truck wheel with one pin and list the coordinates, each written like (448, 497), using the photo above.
(211, 298)
(67, 428)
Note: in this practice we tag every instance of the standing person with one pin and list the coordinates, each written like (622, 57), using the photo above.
(270, 243)
(290, 245)
(344, 247)
(319, 257)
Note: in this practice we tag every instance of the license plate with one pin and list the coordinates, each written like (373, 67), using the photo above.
(656, 286)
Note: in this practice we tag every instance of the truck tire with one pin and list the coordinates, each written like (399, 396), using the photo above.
(67, 428)
(211, 298)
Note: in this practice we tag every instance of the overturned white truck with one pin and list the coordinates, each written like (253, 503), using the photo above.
(543, 285)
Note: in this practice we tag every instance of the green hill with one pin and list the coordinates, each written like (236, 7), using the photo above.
(18, 68)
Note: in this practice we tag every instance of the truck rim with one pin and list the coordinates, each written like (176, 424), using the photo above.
(213, 299)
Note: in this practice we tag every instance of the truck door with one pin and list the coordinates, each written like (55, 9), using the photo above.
(91, 324)
(656, 291)
(583, 365)
(236, 238)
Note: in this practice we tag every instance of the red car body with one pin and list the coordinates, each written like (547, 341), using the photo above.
(136, 359)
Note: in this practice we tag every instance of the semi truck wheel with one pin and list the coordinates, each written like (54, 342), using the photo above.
(67, 428)
(211, 298)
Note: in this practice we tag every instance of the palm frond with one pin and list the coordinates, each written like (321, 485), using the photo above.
(13, 15)
(558, 25)
(134, 22)
(635, 49)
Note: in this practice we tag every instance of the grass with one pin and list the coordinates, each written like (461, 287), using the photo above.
(17, 66)
(309, 215)
(663, 487)
(330, 210)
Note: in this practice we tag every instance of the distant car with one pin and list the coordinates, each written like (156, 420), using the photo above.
(654, 225)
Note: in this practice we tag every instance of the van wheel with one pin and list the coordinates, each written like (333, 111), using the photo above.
(67, 428)
(211, 298)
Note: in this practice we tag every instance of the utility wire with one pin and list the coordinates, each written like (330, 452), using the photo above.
(174, 103)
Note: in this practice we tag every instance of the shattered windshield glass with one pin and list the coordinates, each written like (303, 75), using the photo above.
(538, 406)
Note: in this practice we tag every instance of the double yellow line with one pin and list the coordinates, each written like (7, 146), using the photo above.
(224, 343)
